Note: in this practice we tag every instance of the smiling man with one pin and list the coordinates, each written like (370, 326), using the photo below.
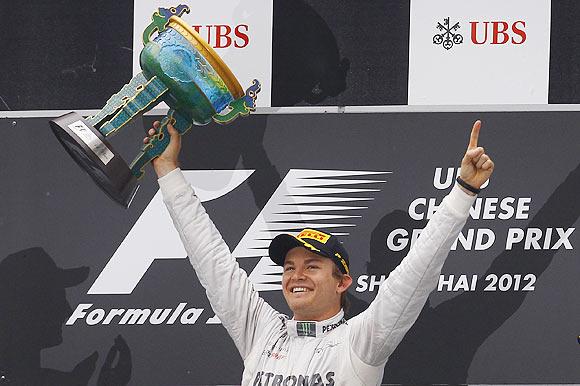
(317, 346)
(316, 273)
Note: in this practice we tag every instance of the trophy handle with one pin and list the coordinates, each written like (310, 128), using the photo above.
(116, 101)
(160, 20)
(145, 97)
(158, 142)
(241, 106)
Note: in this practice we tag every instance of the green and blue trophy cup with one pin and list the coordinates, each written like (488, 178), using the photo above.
(178, 68)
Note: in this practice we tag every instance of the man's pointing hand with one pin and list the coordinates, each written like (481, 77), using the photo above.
(476, 165)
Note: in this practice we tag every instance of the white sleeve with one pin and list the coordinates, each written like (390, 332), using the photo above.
(377, 331)
(228, 289)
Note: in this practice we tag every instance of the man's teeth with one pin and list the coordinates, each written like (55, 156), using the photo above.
(299, 289)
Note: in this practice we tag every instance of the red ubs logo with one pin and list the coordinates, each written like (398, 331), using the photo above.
(496, 32)
(224, 36)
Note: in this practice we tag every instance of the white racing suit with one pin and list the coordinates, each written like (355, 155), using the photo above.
(278, 351)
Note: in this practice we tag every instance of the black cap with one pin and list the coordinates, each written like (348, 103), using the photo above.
(321, 243)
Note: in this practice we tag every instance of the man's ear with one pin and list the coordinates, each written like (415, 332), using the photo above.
(344, 283)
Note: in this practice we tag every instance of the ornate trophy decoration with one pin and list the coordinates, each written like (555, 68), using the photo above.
(178, 68)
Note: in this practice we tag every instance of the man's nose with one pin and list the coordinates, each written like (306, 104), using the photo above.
(298, 274)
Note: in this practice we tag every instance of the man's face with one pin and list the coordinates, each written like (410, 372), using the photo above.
(309, 286)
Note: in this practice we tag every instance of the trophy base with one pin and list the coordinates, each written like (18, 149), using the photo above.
(92, 152)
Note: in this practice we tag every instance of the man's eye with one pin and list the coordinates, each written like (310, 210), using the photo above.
(286, 269)
(312, 267)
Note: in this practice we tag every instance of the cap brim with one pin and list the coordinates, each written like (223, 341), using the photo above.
(283, 243)
(280, 246)
(73, 276)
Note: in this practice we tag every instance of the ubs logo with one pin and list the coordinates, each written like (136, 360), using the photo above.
(448, 36)
(498, 32)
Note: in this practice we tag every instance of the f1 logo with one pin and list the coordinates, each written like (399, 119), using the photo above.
(304, 199)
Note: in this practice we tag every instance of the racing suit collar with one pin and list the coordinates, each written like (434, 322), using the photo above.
(314, 329)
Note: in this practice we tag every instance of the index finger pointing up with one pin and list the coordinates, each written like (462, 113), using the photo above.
(474, 135)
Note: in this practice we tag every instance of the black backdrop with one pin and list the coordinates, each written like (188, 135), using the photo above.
(462, 336)
(69, 55)
(73, 55)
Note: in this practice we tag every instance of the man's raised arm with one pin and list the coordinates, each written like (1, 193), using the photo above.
(232, 297)
(377, 331)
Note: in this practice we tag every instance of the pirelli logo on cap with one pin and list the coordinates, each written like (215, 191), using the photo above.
(314, 235)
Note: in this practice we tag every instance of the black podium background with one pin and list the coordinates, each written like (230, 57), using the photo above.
(477, 337)
(72, 55)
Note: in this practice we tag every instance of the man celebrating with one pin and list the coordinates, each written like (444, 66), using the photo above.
(317, 346)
